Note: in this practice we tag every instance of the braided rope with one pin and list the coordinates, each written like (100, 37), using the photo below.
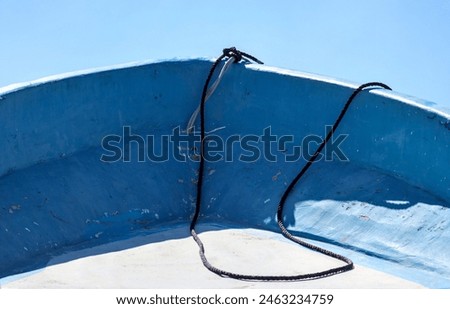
(238, 56)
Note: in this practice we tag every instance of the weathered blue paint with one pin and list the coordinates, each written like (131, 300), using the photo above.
(56, 195)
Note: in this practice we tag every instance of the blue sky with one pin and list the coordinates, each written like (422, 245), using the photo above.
(405, 44)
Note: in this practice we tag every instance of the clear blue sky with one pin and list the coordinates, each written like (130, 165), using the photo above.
(405, 44)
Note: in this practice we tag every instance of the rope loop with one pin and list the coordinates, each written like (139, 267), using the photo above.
(232, 52)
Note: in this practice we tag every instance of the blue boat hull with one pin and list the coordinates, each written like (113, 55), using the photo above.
(385, 205)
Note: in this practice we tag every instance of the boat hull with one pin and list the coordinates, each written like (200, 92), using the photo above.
(381, 194)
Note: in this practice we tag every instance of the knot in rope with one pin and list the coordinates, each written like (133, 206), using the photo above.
(238, 55)
(232, 52)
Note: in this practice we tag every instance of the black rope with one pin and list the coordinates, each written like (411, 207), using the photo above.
(238, 56)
